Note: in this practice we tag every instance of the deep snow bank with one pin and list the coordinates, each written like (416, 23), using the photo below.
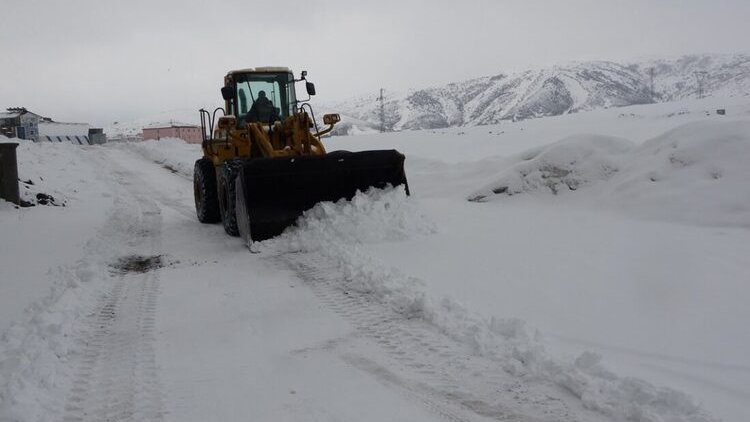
(695, 173)
(36, 184)
(569, 164)
(334, 233)
(42, 296)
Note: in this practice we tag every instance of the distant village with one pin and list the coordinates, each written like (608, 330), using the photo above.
(18, 122)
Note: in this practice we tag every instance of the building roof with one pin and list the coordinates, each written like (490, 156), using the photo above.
(52, 122)
(9, 114)
(14, 112)
(168, 125)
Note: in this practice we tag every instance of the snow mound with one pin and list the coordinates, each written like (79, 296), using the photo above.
(568, 164)
(33, 351)
(336, 229)
(42, 172)
(331, 236)
(374, 216)
(694, 173)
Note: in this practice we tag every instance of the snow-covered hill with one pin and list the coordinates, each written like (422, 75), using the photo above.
(677, 79)
(562, 89)
(550, 92)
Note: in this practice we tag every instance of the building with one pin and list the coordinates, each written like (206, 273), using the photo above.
(17, 122)
(97, 136)
(188, 133)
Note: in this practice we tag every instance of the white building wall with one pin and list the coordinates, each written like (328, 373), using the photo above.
(63, 129)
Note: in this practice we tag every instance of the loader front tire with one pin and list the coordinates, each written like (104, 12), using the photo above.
(228, 197)
(204, 190)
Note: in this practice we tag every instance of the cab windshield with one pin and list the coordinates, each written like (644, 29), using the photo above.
(264, 97)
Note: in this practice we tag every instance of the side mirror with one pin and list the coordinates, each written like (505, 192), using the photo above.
(310, 88)
(227, 92)
(331, 119)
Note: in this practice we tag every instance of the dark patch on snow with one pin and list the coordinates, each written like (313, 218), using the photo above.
(42, 198)
(45, 199)
(137, 264)
(170, 168)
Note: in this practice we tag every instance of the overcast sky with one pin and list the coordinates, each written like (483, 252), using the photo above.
(98, 61)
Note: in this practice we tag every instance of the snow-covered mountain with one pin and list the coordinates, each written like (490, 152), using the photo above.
(550, 91)
(719, 75)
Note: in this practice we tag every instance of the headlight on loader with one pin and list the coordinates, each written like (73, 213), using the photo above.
(331, 119)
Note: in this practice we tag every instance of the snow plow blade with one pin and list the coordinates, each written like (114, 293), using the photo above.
(272, 193)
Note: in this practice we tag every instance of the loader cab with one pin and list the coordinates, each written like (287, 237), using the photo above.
(260, 95)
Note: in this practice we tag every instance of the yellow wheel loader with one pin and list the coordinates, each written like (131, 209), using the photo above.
(264, 164)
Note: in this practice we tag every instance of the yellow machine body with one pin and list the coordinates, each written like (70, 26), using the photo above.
(264, 163)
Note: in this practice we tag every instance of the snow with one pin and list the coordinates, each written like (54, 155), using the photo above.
(694, 173)
(601, 276)
(334, 232)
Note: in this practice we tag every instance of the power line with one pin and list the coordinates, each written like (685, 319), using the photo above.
(700, 80)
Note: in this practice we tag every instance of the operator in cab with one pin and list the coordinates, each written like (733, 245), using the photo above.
(262, 109)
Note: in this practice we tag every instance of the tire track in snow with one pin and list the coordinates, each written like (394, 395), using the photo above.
(117, 375)
(441, 373)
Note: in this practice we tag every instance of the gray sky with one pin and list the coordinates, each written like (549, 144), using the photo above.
(98, 61)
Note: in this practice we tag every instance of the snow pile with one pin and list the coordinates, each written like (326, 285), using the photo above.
(695, 173)
(332, 235)
(390, 217)
(43, 298)
(174, 154)
(34, 376)
(571, 163)
(335, 230)
(33, 164)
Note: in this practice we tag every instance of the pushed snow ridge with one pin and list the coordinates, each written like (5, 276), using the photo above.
(695, 173)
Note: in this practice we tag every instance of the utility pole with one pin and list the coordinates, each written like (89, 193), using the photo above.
(700, 79)
(651, 71)
(382, 111)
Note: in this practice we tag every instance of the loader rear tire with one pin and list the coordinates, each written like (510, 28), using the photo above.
(204, 190)
(228, 196)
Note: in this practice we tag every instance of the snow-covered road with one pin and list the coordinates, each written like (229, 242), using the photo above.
(193, 327)
(233, 337)
(268, 336)
(115, 375)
